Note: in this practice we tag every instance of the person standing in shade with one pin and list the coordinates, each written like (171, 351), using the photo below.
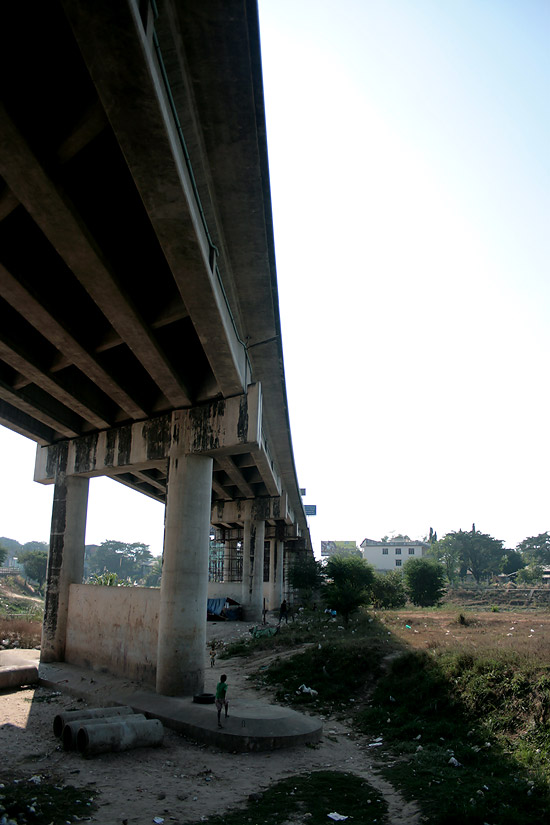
(221, 698)
(283, 612)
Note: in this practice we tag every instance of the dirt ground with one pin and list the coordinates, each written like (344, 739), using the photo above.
(180, 782)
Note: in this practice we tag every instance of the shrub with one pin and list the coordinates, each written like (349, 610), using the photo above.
(425, 580)
(388, 590)
(349, 580)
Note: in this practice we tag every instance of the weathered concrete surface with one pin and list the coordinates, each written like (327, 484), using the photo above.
(229, 425)
(65, 559)
(251, 725)
(184, 584)
(119, 734)
(18, 667)
(125, 624)
(73, 717)
(256, 602)
(17, 674)
(109, 349)
(71, 729)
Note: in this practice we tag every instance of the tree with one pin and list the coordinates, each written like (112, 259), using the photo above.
(11, 545)
(36, 545)
(388, 590)
(306, 576)
(35, 563)
(153, 577)
(447, 551)
(425, 580)
(348, 583)
(530, 575)
(512, 561)
(3, 554)
(479, 552)
(536, 549)
(126, 560)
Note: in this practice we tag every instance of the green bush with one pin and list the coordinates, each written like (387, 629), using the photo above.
(425, 581)
(388, 590)
(349, 579)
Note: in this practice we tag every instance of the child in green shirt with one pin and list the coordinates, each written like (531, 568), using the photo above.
(221, 698)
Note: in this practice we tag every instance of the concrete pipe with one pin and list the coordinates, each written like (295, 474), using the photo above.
(66, 716)
(119, 735)
(18, 675)
(70, 729)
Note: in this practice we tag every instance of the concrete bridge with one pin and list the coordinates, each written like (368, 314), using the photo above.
(139, 322)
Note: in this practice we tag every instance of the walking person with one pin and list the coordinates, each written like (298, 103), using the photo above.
(283, 612)
(221, 698)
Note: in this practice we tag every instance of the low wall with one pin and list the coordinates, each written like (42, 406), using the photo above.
(114, 629)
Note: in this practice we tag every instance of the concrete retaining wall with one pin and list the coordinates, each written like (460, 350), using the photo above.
(114, 629)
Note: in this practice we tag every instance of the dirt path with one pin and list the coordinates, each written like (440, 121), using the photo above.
(6, 593)
(181, 781)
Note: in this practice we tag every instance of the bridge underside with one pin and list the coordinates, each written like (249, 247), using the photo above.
(139, 323)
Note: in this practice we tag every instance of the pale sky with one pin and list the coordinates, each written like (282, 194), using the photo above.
(410, 178)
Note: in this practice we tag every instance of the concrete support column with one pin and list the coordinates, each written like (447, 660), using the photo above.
(287, 562)
(65, 561)
(247, 549)
(184, 584)
(279, 573)
(272, 568)
(227, 561)
(256, 599)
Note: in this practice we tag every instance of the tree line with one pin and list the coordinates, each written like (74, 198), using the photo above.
(111, 562)
(472, 551)
(345, 582)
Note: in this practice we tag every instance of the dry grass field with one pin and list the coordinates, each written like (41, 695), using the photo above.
(522, 632)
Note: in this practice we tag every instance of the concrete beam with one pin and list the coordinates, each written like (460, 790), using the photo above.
(22, 300)
(236, 512)
(220, 428)
(125, 65)
(31, 184)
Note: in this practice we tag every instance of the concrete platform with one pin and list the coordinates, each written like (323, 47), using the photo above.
(251, 725)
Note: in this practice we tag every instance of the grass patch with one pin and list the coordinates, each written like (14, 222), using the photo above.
(465, 731)
(310, 798)
(341, 671)
(484, 713)
(308, 628)
(39, 802)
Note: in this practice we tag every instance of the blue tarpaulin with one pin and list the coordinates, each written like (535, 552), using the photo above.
(215, 606)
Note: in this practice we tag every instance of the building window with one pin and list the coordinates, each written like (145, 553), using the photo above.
(384, 551)
(397, 551)
(398, 562)
(411, 551)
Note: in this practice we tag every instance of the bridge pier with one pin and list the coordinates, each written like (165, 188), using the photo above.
(184, 586)
(65, 561)
(278, 578)
(256, 597)
(246, 583)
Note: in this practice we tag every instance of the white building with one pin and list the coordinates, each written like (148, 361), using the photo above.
(391, 555)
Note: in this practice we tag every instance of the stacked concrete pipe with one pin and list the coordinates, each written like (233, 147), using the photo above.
(119, 734)
(99, 730)
(70, 730)
(72, 716)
